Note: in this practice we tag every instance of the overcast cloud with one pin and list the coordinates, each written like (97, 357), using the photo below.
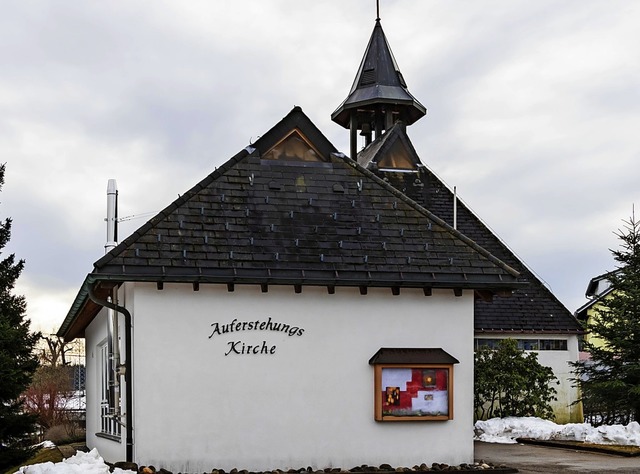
(533, 113)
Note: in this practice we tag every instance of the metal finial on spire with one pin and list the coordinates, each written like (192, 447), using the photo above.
(377, 10)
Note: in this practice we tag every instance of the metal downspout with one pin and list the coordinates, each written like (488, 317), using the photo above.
(127, 373)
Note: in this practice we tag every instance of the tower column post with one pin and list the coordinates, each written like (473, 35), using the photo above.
(353, 143)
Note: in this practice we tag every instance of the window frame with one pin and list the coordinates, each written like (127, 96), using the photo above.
(109, 426)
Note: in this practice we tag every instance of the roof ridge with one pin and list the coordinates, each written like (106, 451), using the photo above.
(527, 272)
(456, 233)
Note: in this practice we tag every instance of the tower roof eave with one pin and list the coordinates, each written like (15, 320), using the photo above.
(379, 81)
(413, 109)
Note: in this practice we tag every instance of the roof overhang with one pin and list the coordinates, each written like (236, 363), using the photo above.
(413, 110)
(84, 309)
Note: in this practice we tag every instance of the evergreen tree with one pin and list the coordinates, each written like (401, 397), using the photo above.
(610, 381)
(17, 359)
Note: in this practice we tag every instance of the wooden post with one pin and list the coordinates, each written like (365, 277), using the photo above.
(353, 127)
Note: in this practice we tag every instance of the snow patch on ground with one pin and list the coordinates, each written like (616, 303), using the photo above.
(80, 463)
(45, 445)
(506, 430)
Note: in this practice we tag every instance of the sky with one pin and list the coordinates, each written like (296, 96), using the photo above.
(533, 115)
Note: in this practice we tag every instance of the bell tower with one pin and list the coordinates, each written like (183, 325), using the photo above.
(379, 95)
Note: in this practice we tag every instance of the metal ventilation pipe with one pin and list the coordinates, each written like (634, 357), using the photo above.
(112, 215)
(113, 333)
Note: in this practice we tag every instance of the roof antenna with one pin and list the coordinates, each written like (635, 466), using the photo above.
(377, 10)
(455, 209)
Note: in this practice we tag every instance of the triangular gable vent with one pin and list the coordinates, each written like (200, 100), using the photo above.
(293, 147)
(397, 157)
(368, 77)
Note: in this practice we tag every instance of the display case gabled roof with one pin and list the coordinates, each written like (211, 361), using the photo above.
(413, 355)
(378, 82)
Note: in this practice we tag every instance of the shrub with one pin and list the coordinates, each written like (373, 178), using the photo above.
(509, 382)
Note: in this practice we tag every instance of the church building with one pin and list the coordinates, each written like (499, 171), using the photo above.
(297, 306)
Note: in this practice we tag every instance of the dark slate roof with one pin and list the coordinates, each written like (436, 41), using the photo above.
(379, 81)
(280, 221)
(404, 356)
(532, 308)
(289, 210)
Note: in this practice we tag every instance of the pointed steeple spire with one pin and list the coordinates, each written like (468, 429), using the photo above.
(379, 95)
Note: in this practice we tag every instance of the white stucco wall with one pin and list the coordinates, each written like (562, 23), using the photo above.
(311, 402)
(564, 409)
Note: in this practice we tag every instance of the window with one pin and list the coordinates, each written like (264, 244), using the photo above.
(526, 344)
(553, 344)
(108, 424)
(413, 384)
